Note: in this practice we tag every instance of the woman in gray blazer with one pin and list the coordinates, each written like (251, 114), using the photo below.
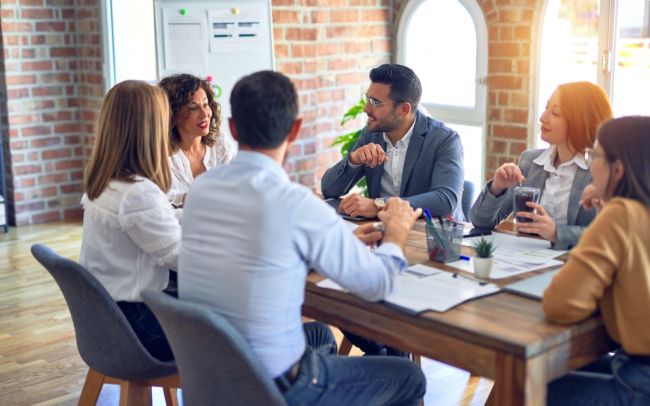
(569, 124)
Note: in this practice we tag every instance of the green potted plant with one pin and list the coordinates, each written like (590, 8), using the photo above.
(483, 260)
(346, 141)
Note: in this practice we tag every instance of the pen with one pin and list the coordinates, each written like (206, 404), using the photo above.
(428, 218)
(480, 282)
(464, 257)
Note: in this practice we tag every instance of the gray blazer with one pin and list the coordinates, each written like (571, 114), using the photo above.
(489, 210)
(433, 169)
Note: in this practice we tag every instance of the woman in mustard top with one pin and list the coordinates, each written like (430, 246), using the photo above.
(609, 270)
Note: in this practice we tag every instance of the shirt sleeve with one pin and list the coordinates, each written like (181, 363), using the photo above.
(150, 221)
(329, 246)
(575, 291)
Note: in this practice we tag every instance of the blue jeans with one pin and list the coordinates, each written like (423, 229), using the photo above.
(328, 379)
(147, 329)
(620, 379)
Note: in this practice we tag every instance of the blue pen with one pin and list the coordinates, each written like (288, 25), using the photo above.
(464, 257)
(428, 217)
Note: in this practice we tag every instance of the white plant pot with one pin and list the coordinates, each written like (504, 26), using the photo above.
(483, 267)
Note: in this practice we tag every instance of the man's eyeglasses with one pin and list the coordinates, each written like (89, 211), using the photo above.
(591, 154)
(374, 103)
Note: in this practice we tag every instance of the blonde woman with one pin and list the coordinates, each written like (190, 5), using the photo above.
(569, 123)
(195, 142)
(131, 235)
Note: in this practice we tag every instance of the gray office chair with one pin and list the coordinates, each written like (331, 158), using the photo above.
(467, 199)
(215, 363)
(105, 339)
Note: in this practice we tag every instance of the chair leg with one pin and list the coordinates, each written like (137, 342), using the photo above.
(171, 396)
(346, 347)
(416, 359)
(91, 389)
(134, 394)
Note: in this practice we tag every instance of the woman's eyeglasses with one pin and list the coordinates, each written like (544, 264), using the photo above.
(591, 154)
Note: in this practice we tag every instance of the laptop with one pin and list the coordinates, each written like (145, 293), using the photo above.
(532, 287)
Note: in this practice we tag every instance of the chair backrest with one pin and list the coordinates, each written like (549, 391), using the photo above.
(105, 339)
(467, 199)
(215, 363)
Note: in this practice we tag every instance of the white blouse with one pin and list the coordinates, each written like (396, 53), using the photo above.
(221, 153)
(131, 238)
(557, 189)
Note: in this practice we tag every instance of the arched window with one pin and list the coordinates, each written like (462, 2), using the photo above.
(445, 43)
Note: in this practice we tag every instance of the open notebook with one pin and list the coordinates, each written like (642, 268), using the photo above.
(532, 287)
(423, 288)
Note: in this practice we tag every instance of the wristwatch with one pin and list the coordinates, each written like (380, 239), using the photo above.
(380, 202)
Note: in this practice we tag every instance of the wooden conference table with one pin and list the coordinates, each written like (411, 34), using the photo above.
(503, 337)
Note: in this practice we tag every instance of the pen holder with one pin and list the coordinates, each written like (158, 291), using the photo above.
(444, 241)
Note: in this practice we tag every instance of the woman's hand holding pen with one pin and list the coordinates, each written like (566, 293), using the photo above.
(506, 176)
(370, 155)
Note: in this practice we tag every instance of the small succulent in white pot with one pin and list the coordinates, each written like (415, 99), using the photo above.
(483, 260)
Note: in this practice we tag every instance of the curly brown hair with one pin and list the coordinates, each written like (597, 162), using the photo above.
(179, 89)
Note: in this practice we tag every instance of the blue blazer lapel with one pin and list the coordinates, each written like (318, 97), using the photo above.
(581, 180)
(414, 150)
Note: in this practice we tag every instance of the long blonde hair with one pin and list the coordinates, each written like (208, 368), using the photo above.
(131, 138)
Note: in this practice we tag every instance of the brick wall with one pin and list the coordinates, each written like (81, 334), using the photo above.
(53, 77)
(53, 74)
(327, 48)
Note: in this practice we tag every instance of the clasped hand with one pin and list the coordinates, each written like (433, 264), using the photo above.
(370, 155)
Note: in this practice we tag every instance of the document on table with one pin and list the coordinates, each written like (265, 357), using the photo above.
(439, 291)
(514, 255)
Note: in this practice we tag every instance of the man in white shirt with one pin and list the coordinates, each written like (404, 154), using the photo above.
(250, 236)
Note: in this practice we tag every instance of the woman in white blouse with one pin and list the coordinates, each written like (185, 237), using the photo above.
(569, 123)
(131, 234)
(195, 142)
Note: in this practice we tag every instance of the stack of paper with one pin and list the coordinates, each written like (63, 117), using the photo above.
(438, 291)
(514, 255)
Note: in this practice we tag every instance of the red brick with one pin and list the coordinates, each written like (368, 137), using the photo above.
(508, 50)
(69, 164)
(350, 78)
(500, 65)
(39, 130)
(29, 207)
(36, 13)
(47, 91)
(281, 51)
(50, 26)
(327, 49)
(519, 116)
(35, 66)
(62, 52)
(302, 34)
(16, 119)
(56, 153)
(510, 132)
(374, 15)
(45, 142)
(285, 16)
(26, 169)
(290, 68)
(303, 50)
(71, 214)
(52, 179)
(26, 182)
(505, 82)
(356, 47)
(319, 16)
(16, 27)
(20, 80)
(345, 16)
(67, 128)
(12, 40)
(382, 45)
(71, 188)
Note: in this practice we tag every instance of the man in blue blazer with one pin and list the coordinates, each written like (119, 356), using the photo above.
(401, 152)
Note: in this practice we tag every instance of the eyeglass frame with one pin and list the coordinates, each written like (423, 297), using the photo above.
(374, 103)
(591, 154)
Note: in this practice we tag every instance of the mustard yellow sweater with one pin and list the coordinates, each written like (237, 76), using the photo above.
(609, 269)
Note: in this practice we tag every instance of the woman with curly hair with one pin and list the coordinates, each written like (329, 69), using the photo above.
(196, 144)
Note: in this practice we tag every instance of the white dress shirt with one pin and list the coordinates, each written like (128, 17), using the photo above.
(391, 178)
(131, 238)
(250, 236)
(220, 153)
(557, 189)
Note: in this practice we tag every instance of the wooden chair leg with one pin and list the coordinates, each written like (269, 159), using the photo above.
(346, 347)
(171, 396)
(92, 387)
(134, 394)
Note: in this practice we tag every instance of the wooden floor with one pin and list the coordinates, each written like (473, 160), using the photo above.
(39, 363)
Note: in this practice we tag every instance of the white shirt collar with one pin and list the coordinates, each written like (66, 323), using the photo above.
(547, 157)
